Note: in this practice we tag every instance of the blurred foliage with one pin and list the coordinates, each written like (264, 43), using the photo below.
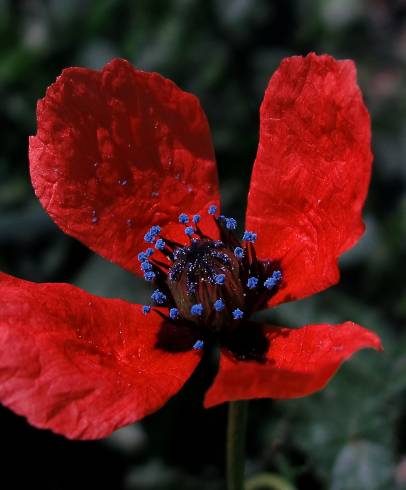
(351, 436)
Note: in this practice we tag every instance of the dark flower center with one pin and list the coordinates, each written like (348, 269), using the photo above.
(203, 273)
(211, 287)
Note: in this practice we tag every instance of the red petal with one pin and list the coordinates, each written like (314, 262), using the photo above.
(118, 151)
(311, 173)
(298, 363)
(80, 365)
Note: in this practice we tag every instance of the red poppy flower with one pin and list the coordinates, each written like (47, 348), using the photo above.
(124, 157)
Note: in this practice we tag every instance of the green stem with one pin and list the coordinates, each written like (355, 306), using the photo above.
(237, 422)
(268, 480)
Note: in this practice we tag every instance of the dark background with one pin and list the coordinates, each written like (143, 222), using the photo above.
(351, 436)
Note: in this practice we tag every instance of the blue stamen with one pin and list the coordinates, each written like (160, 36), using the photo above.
(152, 233)
(160, 244)
(249, 236)
(219, 305)
(142, 256)
(146, 309)
(239, 252)
(189, 231)
(198, 345)
(149, 252)
(146, 266)
(238, 314)
(183, 218)
(231, 224)
(273, 280)
(196, 219)
(252, 282)
(196, 309)
(158, 296)
(219, 278)
(212, 209)
(149, 276)
(149, 238)
(173, 313)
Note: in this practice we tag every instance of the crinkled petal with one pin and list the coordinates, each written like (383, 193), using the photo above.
(311, 173)
(81, 365)
(298, 363)
(118, 151)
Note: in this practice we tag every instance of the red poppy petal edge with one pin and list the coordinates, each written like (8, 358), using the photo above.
(298, 363)
(81, 365)
(118, 151)
(311, 173)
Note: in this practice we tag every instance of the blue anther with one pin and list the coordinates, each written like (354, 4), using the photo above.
(149, 238)
(219, 305)
(142, 256)
(231, 224)
(221, 218)
(238, 314)
(252, 282)
(173, 313)
(152, 233)
(149, 251)
(249, 236)
(149, 276)
(198, 345)
(239, 252)
(189, 231)
(158, 296)
(219, 278)
(196, 309)
(183, 218)
(146, 309)
(212, 209)
(273, 280)
(196, 219)
(277, 275)
(146, 266)
(160, 244)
